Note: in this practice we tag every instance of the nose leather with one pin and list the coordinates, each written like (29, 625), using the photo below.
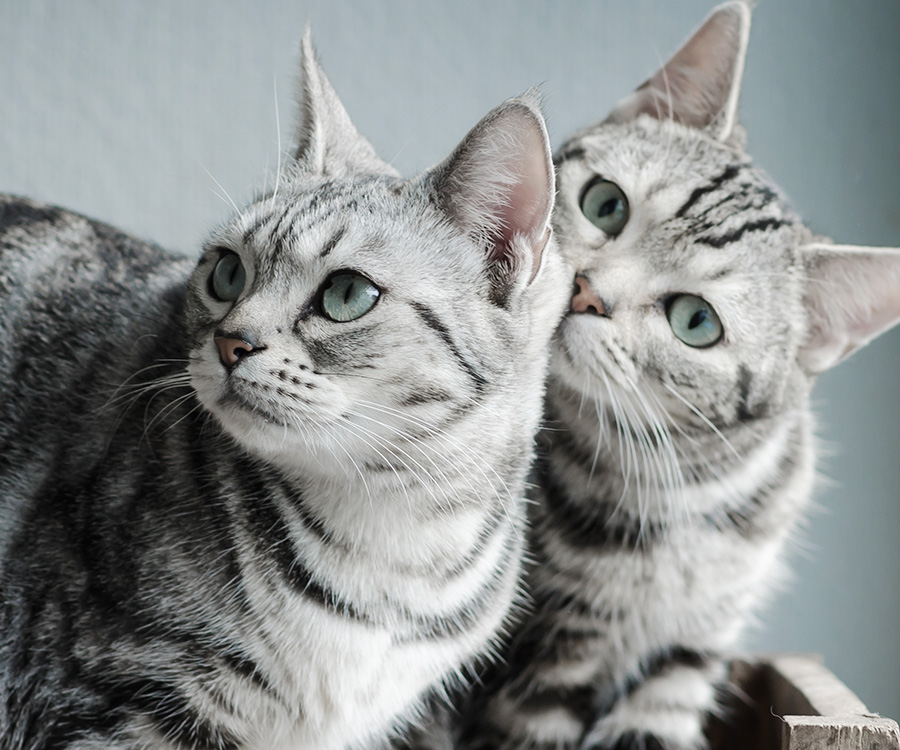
(584, 300)
(232, 347)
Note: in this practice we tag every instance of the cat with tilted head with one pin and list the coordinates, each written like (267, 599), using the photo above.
(679, 451)
(268, 499)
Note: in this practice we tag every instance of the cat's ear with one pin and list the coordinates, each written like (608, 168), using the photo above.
(498, 186)
(700, 84)
(852, 295)
(328, 143)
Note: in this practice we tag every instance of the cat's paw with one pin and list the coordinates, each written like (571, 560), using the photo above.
(667, 712)
(631, 741)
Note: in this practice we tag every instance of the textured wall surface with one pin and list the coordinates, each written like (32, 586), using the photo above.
(153, 116)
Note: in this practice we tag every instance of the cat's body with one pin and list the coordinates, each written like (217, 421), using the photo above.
(268, 504)
(678, 454)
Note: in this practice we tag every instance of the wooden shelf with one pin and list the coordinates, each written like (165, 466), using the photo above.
(792, 702)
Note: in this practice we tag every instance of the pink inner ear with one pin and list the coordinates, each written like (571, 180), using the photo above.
(699, 85)
(853, 296)
(526, 205)
(700, 76)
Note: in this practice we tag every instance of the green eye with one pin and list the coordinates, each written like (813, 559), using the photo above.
(605, 206)
(348, 296)
(228, 278)
(694, 321)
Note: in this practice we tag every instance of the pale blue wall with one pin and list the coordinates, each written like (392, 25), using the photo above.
(118, 109)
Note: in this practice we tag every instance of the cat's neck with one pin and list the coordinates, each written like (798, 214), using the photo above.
(649, 469)
(416, 511)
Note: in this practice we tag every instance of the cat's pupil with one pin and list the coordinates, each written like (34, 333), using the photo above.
(611, 206)
(698, 319)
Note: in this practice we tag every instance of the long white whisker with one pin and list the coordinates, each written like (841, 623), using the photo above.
(278, 135)
(445, 437)
(428, 485)
(135, 391)
(219, 184)
(704, 418)
(359, 471)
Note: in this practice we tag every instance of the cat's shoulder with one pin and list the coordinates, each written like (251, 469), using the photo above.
(38, 236)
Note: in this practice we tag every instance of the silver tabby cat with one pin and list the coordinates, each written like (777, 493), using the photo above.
(267, 503)
(679, 455)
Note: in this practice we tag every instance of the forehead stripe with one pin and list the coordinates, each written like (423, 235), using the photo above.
(576, 152)
(332, 243)
(729, 173)
(753, 226)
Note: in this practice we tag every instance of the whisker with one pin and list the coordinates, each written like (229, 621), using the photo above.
(278, 136)
(219, 184)
(704, 418)
(444, 436)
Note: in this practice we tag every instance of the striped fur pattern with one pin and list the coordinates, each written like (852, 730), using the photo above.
(672, 474)
(230, 521)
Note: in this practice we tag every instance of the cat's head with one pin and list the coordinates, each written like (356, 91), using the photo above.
(698, 292)
(351, 317)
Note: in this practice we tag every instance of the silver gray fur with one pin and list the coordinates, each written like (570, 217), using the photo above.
(672, 477)
(289, 550)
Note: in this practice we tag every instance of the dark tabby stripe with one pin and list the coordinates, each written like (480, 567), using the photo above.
(584, 526)
(580, 701)
(257, 224)
(753, 226)
(176, 719)
(456, 622)
(243, 666)
(296, 228)
(575, 152)
(313, 524)
(22, 213)
(571, 445)
(426, 396)
(730, 172)
(430, 319)
(588, 704)
(77, 724)
(496, 524)
(745, 519)
(273, 540)
(332, 242)
(745, 380)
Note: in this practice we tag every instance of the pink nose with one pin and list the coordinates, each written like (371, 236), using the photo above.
(584, 300)
(232, 349)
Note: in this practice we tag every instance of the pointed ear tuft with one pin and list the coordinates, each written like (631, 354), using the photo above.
(498, 186)
(328, 143)
(700, 84)
(852, 295)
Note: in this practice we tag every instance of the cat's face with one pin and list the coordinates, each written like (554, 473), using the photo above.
(689, 288)
(699, 298)
(339, 304)
(353, 319)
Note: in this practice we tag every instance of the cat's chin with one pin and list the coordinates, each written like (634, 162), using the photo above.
(287, 439)
(293, 448)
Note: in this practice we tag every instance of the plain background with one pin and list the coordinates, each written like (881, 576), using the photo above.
(146, 115)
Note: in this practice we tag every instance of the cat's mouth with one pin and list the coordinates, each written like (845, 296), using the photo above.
(589, 355)
(234, 398)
